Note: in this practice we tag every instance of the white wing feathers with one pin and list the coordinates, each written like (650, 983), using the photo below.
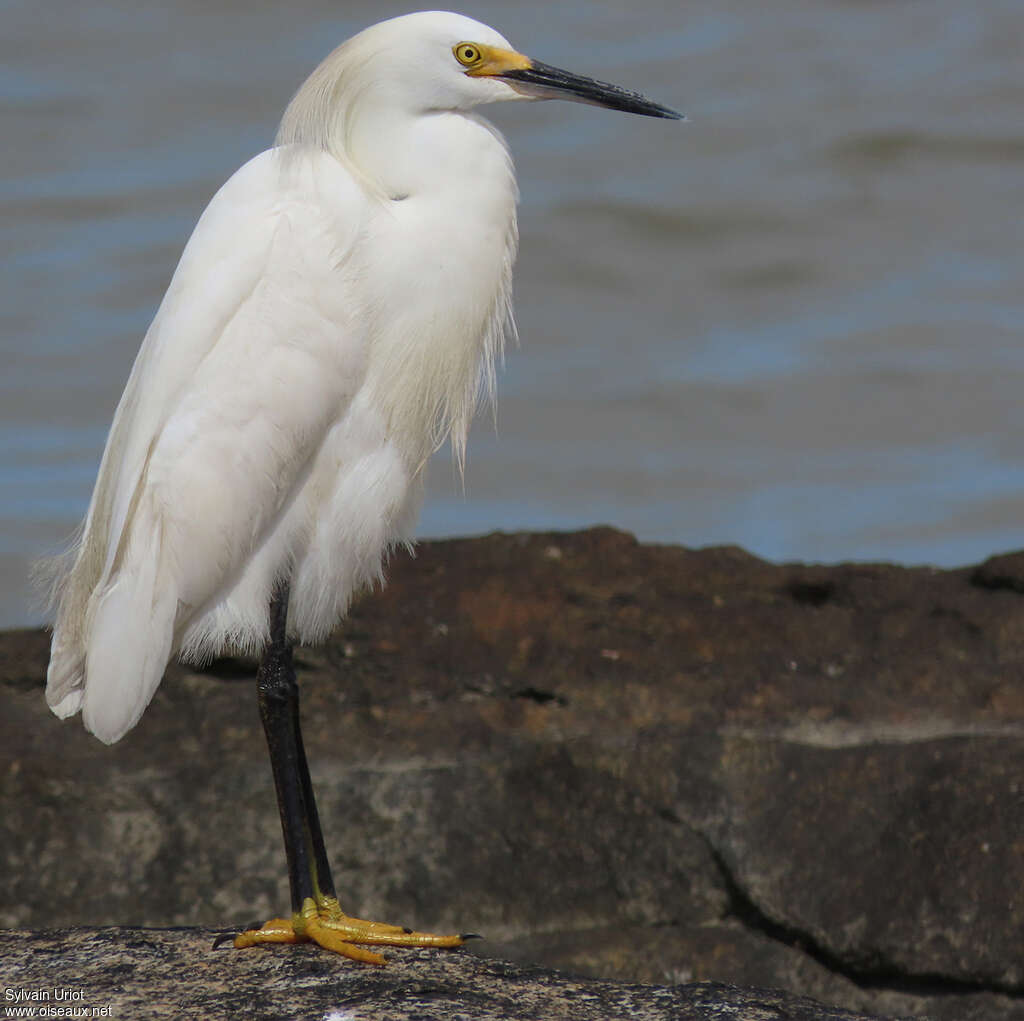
(130, 632)
(253, 355)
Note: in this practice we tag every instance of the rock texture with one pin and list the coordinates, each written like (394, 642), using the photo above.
(640, 763)
(165, 973)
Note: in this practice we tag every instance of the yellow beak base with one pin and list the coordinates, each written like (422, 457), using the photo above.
(496, 62)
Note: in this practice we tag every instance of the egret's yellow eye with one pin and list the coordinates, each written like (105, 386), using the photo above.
(468, 54)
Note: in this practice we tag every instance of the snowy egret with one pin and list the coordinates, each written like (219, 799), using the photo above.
(331, 322)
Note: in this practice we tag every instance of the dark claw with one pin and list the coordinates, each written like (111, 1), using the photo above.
(224, 937)
(407, 930)
(470, 935)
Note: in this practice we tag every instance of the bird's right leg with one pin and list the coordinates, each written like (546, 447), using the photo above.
(309, 874)
(316, 916)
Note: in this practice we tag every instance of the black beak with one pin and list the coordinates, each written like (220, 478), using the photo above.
(546, 82)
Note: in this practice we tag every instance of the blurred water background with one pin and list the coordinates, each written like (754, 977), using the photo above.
(794, 323)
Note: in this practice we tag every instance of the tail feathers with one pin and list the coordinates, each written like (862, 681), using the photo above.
(65, 678)
(129, 641)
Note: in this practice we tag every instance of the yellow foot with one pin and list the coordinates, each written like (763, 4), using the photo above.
(329, 926)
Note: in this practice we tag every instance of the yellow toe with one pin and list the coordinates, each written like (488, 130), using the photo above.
(329, 927)
(277, 930)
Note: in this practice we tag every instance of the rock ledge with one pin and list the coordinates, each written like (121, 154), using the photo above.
(174, 973)
(644, 764)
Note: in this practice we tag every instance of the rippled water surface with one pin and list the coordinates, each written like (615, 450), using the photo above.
(793, 323)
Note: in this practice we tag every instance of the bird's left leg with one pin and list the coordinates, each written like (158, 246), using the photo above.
(316, 916)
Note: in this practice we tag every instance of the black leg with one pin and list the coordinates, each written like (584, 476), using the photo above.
(318, 916)
(308, 870)
(324, 882)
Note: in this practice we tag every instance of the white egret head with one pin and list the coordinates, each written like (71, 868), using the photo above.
(453, 62)
(435, 61)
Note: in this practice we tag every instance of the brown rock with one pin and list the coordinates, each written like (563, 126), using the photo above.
(642, 763)
(165, 973)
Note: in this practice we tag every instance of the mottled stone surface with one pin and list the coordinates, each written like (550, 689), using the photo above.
(166, 973)
(636, 762)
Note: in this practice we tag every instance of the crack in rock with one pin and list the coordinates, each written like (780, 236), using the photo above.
(883, 978)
